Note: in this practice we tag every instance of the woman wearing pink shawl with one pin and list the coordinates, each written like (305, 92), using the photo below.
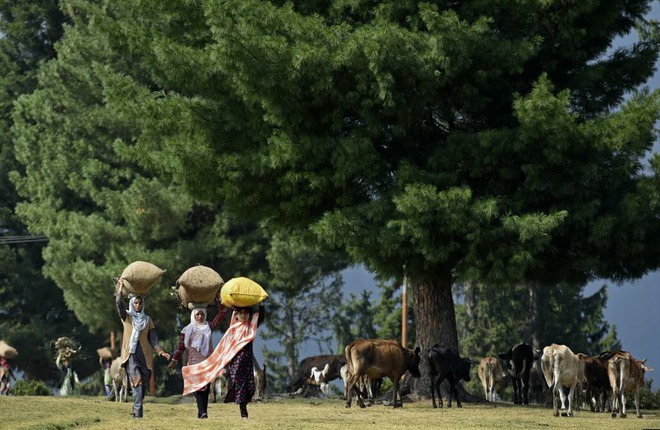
(233, 354)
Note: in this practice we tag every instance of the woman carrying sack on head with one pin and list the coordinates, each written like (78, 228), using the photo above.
(233, 354)
(137, 347)
(196, 337)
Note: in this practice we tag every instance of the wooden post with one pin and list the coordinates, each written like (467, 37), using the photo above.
(404, 313)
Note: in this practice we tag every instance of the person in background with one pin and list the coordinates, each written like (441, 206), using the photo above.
(139, 341)
(69, 377)
(105, 363)
(6, 375)
(196, 337)
(234, 354)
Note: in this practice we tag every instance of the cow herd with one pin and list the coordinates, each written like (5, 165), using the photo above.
(554, 374)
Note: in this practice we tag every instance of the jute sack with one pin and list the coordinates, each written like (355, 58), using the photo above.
(187, 303)
(199, 284)
(105, 353)
(242, 292)
(6, 350)
(140, 276)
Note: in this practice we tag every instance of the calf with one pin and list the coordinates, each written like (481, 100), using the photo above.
(445, 363)
(318, 378)
(492, 377)
(119, 381)
(219, 388)
(518, 360)
(562, 368)
(301, 378)
(260, 381)
(626, 375)
(368, 387)
(377, 358)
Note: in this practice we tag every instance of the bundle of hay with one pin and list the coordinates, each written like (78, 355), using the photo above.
(198, 286)
(139, 276)
(242, 292)
(6, 350)
(67, 347)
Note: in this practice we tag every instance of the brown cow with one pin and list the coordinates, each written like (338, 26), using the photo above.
(597, 380)
(626, 375)
(492, 377)
(377, 358)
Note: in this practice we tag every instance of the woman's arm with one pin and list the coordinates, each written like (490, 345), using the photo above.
(155, 344)
(222, 310)
(120, 304)
(179, 350)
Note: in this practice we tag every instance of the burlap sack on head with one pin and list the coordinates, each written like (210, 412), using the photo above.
(6, 350)
(242, 292)
(105, 353)
(199, 284)
(189, 304)
(139, 276)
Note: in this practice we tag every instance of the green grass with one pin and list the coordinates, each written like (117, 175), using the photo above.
(42, 413)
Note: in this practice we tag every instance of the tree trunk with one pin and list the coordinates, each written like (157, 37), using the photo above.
(533, 315)
(435, 323)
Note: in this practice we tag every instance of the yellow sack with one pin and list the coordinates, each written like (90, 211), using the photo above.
(242, 292)
(140, 276)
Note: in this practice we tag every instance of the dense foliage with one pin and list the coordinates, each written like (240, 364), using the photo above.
(443, 142)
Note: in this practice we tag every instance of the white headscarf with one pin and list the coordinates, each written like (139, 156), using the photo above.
(202, 339)
(139, 319)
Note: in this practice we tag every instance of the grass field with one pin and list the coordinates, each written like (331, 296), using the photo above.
(176, 413)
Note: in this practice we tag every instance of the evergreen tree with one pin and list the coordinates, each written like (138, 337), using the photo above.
(469, 140)
(32, 310)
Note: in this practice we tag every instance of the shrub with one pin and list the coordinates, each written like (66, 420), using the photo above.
(31, 388)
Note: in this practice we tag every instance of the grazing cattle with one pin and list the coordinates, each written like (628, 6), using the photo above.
(119, 381)
(377, 358)
(368, 387)
(260, 381)
(492, 377)
(318, 378)
(597, 382)
(562, 368)
(537, 385)
(518, 360)
(626, 375)
(445, 363)
(219, 388)
(301, 378)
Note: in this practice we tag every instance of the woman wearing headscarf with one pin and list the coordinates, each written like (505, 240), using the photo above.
(234, 354)
(196, 338)
(139, 342)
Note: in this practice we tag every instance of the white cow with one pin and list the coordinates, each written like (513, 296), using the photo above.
(561, 368)
(318, 377)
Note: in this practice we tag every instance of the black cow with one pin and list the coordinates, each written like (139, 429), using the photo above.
(518, 362)
(319, 361)
(445, 363)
